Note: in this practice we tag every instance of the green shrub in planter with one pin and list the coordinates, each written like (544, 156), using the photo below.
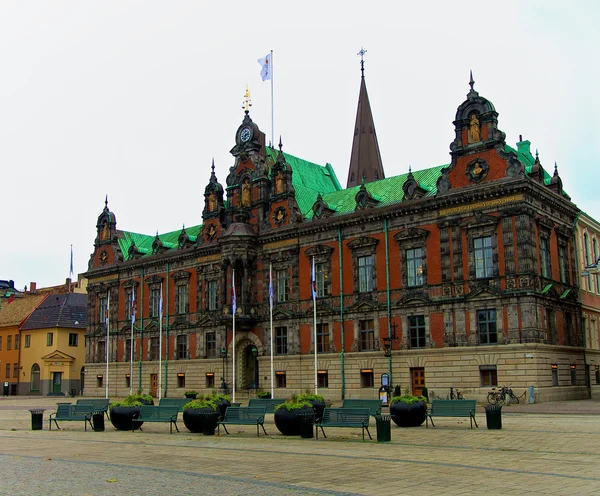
(264, 395)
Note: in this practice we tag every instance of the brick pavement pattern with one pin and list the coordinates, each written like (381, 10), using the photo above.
(550, 448)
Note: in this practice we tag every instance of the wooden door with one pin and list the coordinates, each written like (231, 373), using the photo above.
(154, 385)
(417, 376)
(57, 382)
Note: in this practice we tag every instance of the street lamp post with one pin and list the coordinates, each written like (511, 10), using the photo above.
(224, 357)
(255, 355)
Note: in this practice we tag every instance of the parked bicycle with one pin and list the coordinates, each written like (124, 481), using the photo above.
(499, 397)
(455, 394)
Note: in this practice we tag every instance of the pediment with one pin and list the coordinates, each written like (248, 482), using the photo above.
(480, 220)
(414, 298)
(282, 313)
(319, 251)
(545, 223)
(322, 309)
(483, 291)
(180, 323)
(411, 233)
(206, 319)
(58, 356)
(550, 290)
(362, 242)
(569, 295)
(362, 306)
(151, 327)
(153, 279)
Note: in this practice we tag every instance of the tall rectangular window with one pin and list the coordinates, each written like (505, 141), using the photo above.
(128, 305)
(15, 370)
(154, 302)
(210, 344)
(484, 266)
(322, 338)
(182, 297)
(0, 343)
(321, 277)
(554, 374)
(366, 378)
(49, 339)
(416, 331)
(101, 352)
(545, 257)
(8, 342)
(128, 349)
(551, 326)
(569, 335)
(488, 375)
(322, 379)
(414, 266)
(573, 375)
(283, 290)
(17, 341)
(7, 374)
(367, 335)
(365, 274)
(127, 381)
(154, 348)
(280, 380)
(281, 341)
(211, 295)
(73, 339)
(180, 380)
(182, 353)
(210, 380)
(102, 302)
(563, 264)
(486, 325)
(27, 340)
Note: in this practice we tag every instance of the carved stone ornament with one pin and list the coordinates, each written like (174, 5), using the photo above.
(443, 184)
(103, 257)
(279, 215)
(211, 232)
(477, 170)
(515, 168)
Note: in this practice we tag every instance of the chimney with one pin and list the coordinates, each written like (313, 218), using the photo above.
(32, 287)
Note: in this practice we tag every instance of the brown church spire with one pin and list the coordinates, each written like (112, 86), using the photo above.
(365, 161)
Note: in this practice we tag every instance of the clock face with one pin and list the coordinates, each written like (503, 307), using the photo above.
(245, 134)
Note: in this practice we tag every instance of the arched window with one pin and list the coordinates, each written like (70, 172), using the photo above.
(596, 262)
(35, 378)
(586, 252)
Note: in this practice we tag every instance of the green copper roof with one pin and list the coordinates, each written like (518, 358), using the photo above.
(144, 242)
(309, 179)
(387, 191)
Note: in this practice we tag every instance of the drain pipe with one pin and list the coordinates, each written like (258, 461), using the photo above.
(342, 313)
(389, 308)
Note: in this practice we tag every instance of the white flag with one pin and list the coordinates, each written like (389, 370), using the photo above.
(265, 62)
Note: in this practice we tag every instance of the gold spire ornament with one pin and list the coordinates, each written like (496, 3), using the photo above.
(247, 101)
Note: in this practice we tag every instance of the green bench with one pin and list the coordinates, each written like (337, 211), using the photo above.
(151, 413)
(345, 417)
(268, 404)
(97, 404)
(66, 412)
(451, 408)
(374, 406)
(243, 415)
(178, 402)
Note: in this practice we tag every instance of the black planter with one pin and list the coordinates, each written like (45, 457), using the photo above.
(405, 415)
(191, 396)
(289, 421)
(193, 418)
(121, 417)
(318, 406)
(222, 405)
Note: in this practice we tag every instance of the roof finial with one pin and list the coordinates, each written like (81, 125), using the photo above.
(409, 168)
(247, 102)
(537, 155)
(280, 143)
(106, 202)
(212, 167)
(471, 81)
(555, 169)
(362, 61)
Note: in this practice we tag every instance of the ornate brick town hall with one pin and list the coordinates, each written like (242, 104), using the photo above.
(458, 275)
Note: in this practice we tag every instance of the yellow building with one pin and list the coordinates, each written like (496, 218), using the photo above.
(53, 346)
(13, 313)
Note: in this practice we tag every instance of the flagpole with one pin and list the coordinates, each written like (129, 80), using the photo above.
(233, 307)
(131, 342)
(107, 341)
(71, 270)
(160, 343)
(271, 319)
(314, 295)
(272, 113)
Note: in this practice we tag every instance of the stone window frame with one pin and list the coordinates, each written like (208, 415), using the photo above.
(362, 247)
(101, 354)
(322, 255)
(369, 332)
(205, 274)
(206, 341)
(281, 340)
(564, 235)
(181, 279)
(545, 228)
(487, 322)
(367, 379)
(154, 283)
(154, 348)
(322, 379)
(282, 285)
(127, 348)
(489, 371)
(327, 346)
(280, 379)
(182, 339)
(411, 239)
(212, 295)
(102, 305)
(480, 227)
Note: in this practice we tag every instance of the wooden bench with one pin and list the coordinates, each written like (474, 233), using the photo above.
(97, 404)
(178, 402)
(67, 412)
(345, 417)
(151, 413)
(374, 406)
(268, 404)
(243, 415)
(451, 408)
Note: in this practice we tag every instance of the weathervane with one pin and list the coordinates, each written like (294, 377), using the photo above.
(247, 102)
(362, 61)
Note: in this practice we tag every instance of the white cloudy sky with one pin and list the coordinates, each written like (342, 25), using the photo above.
(134, 99)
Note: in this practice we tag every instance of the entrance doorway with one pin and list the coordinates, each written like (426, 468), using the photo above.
(154, 385)
(56, 382)
(417, 379)
(251, 373)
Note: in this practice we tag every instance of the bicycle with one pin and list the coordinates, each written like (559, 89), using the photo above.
(499, 397)
(455, 394)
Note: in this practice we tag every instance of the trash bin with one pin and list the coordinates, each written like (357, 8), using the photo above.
(37, 419)
(98, 421)
(5, 389)
(384, 428)
(209, 423)
(493, 416)
(307, 421)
